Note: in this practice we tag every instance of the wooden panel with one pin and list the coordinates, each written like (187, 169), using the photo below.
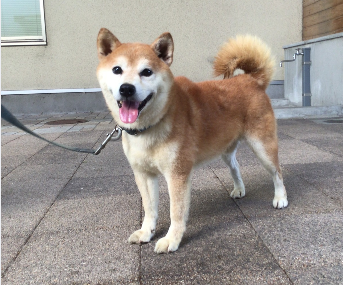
(324, 34)
(320, 6)
(323, 16)
(324, 28)
(308, 2)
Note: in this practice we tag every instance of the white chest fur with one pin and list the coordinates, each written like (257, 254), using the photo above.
(150, 154)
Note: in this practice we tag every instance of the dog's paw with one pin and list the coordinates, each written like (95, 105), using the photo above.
(165, 245)
(140, 236)
(238, 193)
(280, 202)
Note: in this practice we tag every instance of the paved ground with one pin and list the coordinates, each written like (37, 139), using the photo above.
(66, 216)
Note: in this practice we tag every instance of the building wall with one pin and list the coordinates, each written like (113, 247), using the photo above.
(325, 72)
(321, 18)
(198, 28)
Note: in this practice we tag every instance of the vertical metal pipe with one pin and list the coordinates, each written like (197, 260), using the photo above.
(306, 77)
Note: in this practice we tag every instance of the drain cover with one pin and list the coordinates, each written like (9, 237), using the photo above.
(67, 121)
(333, 121)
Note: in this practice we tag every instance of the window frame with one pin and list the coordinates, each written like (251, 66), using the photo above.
(29, 40)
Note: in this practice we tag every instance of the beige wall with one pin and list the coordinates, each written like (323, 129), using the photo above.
(198, 28)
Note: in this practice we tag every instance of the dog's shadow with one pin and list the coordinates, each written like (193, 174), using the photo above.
(209, 211)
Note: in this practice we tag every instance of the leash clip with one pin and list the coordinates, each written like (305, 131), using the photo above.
(109, 137)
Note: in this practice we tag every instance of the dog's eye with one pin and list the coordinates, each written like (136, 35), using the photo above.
(117, 70)
(146, 72)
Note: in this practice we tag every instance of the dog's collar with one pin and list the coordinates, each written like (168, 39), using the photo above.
(135, 132)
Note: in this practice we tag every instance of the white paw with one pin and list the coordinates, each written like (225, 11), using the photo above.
(140, 236)
(238, 192)
(280, 202)
(165, 245)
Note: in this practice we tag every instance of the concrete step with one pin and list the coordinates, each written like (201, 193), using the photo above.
(289, 112)
(281, 103)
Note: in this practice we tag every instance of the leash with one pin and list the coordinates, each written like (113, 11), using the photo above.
(9, 117)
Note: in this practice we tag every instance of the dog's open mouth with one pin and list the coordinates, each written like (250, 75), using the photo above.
(129, 110)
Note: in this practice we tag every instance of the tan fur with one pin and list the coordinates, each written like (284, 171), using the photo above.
(190, 123)
(248, 53)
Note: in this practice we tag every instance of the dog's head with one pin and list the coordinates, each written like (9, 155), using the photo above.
(135, 78)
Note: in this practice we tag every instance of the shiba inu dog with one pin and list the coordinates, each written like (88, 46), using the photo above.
(173, 124)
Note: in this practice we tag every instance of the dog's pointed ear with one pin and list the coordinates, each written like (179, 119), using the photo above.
(163, 46)
(106, 43)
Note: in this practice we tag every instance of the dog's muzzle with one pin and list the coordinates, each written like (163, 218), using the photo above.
(129, 108)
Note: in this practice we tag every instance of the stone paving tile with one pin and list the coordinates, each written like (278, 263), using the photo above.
(103, 115)
(95, 170)
(90, 137)
(82, 240)
(87, 187)
(254, 175)
(4, 123)
(50, 130)
(108, 116)
(219, 246)
(10, 248)
(99, 120)
(23, 190)
(88, 128)
(25, 145)
(28, 120)
(55, 155)
(43, 173)
(76, 257)
(308, 247)
(282, 136)
(111, 161)
(332, 145)
(244, 155)
(8, 129)
(13, 133)
(13, 154)
(338, 128)
(111, 213)
(9, 163)
(75, 128)
(228, 253)
(303, 153)
(326, 177)
(303, 197)
(24, 202)
(302, 129)
(88, 215)
(105, 126)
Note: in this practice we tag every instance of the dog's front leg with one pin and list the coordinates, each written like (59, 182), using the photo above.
(179, 193)
(148, 187)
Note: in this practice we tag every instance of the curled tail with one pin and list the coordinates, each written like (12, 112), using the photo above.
(248, 53)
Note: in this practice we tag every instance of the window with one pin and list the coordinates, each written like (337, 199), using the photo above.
(22, 22)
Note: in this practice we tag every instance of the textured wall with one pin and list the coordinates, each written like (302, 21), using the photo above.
(198, 28)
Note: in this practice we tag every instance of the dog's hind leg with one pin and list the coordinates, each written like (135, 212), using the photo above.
(180, 194)
(148, 187)
(230, 159)
(266, 149)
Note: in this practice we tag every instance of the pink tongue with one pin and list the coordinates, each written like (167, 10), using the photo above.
(129, 112)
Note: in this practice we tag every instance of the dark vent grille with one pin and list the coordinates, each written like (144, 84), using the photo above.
(67, 122)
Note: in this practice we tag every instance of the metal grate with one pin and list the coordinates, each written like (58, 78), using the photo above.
(67, 122)
(333, 121)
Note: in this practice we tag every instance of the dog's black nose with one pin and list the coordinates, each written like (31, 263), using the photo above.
(127, 90)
